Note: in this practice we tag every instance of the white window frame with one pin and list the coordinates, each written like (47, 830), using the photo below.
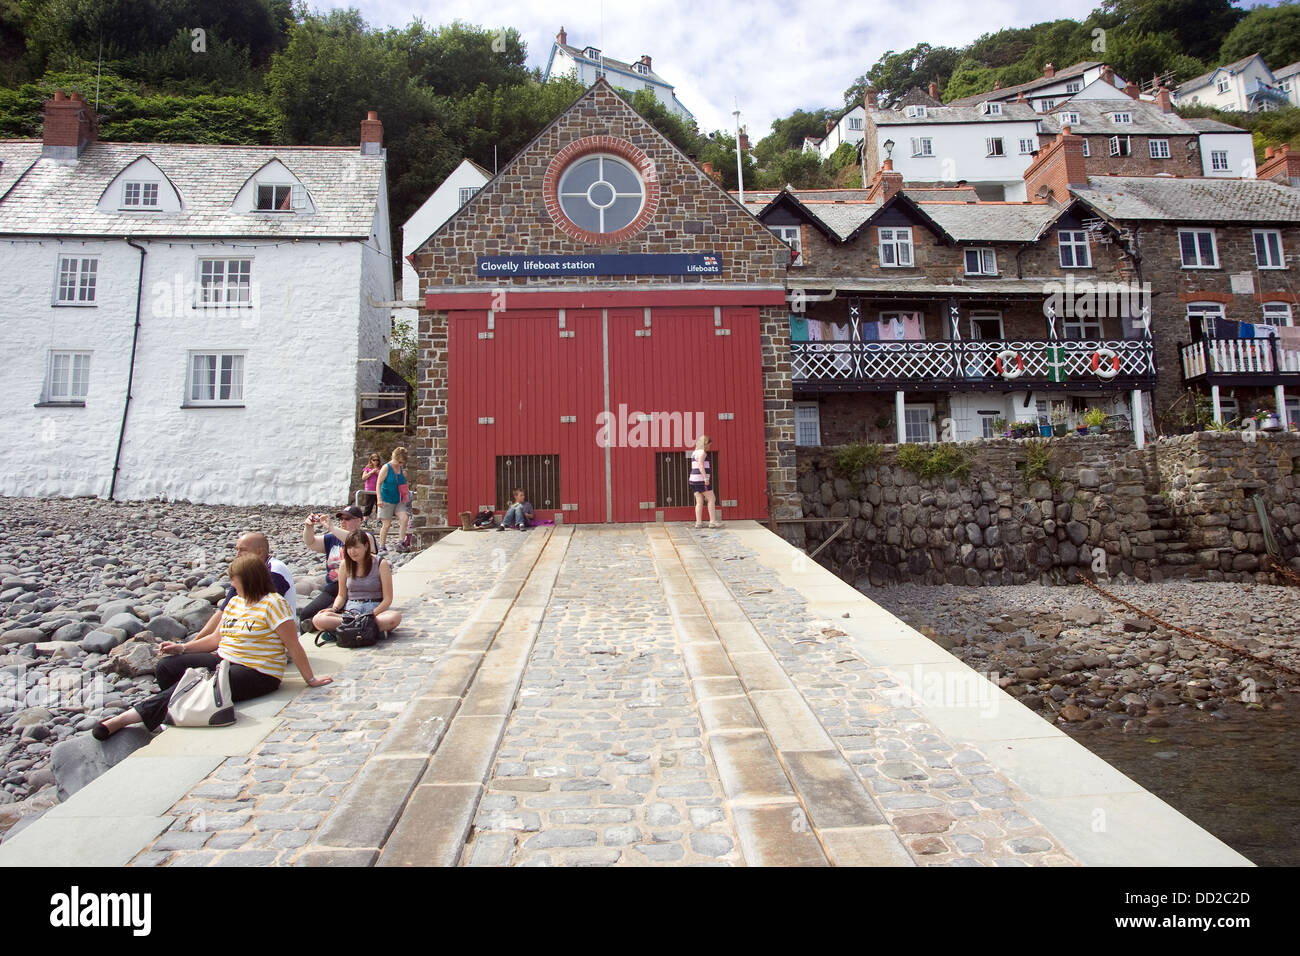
(1046, 105)
(1073, 239)
(922, 146)
(986, 261)
(855, 122)
(224, 367)
(467, 193)
(985, 315)
(1219, 161)
(914, 112)
(1122, 119)
(1277, 313)
(804, 423)
(76, 377)
(1222, 84)
(214, 291)
(992, 109)
(1086, 152)
(895, 247)
(1204, 310)
(1159, 148)
(1069, 119)
(790, 235)
(1274, 258)
(994, 146)
(1027, 146)
(1200, 261)
(141, 191)
(928, 409)
(1074, 86)
(1121, 146)
(76, 280)
(1079, 329)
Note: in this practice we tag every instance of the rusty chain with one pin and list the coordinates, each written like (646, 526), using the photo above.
(1241, 651)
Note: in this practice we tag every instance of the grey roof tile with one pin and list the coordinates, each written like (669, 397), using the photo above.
(1094, 118)
(1191, 200)
(61, 198)
(991, 222)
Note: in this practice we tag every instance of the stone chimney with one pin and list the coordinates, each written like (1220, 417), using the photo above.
(372, 135)
(871, 99)
(1133, 91)
(1059, 166)
(934, 89)
(562, 38)
(1107, 74)
(1164, 100)
(1280, 165)
(70, 126)
(1049, 71)
(885, 184)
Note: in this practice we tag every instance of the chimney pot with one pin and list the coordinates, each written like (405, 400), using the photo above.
(70, 126)
(934, 89)
(1164, 100)
(372, 134)
(562, 38)
(1133, 91)
(1049, 71)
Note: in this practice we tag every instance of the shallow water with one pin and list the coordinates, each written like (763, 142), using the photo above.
(1238, 778)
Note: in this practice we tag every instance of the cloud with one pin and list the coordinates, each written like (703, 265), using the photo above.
(768, 57)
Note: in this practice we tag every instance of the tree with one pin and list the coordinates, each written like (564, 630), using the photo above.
(1272, 32)
(682, 134)
(1198, 27)
(719, 148)
(896, 73)
(789, 133)
(796, 168)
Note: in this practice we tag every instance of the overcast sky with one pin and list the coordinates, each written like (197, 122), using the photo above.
(769, 56)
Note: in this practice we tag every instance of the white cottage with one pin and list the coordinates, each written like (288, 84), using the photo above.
(188, 322)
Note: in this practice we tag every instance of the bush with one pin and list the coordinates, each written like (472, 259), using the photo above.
(1039, 463)
(851, 459)
(936, 462)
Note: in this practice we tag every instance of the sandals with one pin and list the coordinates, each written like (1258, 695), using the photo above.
(715, 524)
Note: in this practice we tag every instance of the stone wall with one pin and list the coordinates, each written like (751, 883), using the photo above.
(1103, 507)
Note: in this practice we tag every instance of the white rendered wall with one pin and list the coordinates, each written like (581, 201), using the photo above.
(840, 132)
(291, 443)
(1241, 154)
(428, 219)
(959, 151)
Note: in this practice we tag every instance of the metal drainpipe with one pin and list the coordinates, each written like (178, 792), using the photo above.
(130, 375)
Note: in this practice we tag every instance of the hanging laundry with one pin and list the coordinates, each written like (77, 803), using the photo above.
(914, 326)
(1265, 331)
(816, 332)
(841, 331)
(798, 328)
(1247, 330)
(886, 330)
(1225, 328)
(896, 324)
(870, 331)
(1288, 337)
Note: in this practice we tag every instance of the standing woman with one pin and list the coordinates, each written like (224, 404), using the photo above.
(394, 498)
(702, 484)
(370, 481)
(257, 634)
(365, 586)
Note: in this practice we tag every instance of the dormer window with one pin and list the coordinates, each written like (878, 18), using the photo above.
(642, 69)
(914, 112)
(992, 109)
(1046, 106)
(1121, 118)
(591, 52)
(1069, 119)
(1074, 87)
(1223, 83)
(140, 195)
(274, 198)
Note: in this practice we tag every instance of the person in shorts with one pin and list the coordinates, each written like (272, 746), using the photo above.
(346, 520)
(365, 587)
(394, 499)
(702, 484)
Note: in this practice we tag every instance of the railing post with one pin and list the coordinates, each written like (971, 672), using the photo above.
(1272, 345)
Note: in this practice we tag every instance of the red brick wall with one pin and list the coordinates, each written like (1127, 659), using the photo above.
(509, 216)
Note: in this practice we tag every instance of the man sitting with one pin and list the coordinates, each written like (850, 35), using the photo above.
(256, 544)
(331, 545)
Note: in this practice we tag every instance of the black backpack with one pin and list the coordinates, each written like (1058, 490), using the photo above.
(484, 519)
(357, 630)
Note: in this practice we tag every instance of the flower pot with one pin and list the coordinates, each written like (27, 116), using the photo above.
(1045, 431)
(1060, 430)
(1082, 429)
(1271, 424)
(1094, 429)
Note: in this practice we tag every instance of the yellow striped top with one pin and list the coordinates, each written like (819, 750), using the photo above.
(248, 633)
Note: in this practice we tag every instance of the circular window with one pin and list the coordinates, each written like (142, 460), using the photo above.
(601, 194)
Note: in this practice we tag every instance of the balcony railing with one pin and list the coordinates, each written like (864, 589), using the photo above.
(980, 363)
(1250, 358)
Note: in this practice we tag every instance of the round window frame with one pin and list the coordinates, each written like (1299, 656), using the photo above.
(643, 168)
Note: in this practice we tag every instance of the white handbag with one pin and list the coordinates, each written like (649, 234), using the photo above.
(201, 698)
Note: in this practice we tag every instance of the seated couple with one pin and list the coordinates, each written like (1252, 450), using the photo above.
(255, 632)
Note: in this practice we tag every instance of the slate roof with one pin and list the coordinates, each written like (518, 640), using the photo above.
(1011, 112)
(61, 198)
(1077, 69)
(16, 155)
(1094, 118)
(1287, 70)
(577, 53)
(991, 222)
(1190, 200)
(1197, 82)
(1207, 125)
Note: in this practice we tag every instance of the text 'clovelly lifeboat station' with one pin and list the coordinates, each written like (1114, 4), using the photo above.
(593, 309)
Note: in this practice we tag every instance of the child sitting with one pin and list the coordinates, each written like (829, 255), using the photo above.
(519, 514)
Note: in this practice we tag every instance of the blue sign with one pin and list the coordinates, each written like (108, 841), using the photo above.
(643, 264)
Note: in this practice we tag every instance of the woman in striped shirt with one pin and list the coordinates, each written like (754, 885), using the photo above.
(701, 483)
(257, 634)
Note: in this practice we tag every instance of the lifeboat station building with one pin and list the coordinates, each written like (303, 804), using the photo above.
(593, 309)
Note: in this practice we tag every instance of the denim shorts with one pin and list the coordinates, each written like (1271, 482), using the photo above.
(362, 607)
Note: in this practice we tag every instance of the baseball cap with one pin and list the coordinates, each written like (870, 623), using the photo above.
(351, 511)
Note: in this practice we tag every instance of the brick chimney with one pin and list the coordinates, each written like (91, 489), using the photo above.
(70, 126)
(645, 58)
(372, 135)
(934, 89)
(885, 183)
(830, 125)
(1059, 166)
(1280, 165)
(1049, 71)
(871, 99)
(1021, 97)
(562, 38)
(1107, 74)
(997, 85)
(1133, 91)
(1164, 100)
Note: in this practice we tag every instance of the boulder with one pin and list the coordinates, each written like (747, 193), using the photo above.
(167, 628)
(22, 635)
(212, 593)
(73, 631)
(134, 659)
(78, 761)
(103, 640)
(110, 608)
(184, 604)
(1082, 614)
(126, 622)
(60, 650)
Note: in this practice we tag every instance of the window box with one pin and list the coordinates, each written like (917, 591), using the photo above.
(1197, 249)
(214, 379)
(77, 280)
(896, 248)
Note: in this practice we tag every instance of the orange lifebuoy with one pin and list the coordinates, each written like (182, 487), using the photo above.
(1006, 369)
(1105, 363)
